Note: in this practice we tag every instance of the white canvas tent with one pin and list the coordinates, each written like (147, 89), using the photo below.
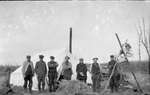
(16, 76)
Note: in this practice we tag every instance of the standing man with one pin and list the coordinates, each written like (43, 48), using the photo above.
(28, 72)
(52, 73)
(67, 69)
(113, 69)
(96, 75)
(41, 71)
(81, 71)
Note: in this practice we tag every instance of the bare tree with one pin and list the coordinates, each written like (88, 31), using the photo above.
(144, 37)
(139, 44)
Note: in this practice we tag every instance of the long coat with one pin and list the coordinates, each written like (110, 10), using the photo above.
(81, 68)
(115, 79)
(25, 67)
(40, 68)
(67, 70)
(52, 66)
(96, 76)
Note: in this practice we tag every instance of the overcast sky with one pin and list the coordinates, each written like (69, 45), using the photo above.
(32, 27)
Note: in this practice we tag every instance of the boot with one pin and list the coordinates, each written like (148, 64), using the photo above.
(30, 90)
(50, 88)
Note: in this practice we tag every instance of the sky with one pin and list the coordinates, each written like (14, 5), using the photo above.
(33, 27)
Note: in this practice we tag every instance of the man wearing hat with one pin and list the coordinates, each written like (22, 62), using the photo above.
(52, 73)
(113, 69)
(111, 63)
(96, 75)
(67, 69)
(41, 71)
(81, 70)
(28, 72)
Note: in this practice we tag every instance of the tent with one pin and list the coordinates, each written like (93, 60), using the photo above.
(16, 76)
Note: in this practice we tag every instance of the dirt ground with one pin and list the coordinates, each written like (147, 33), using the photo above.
(143, 79)
(144, 83)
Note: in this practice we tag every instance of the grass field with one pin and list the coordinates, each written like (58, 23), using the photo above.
(136, 66)
(139, 68)
(4, 68)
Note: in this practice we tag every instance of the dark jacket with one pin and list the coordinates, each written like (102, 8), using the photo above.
(95, 70)
(29, 71)
(81, 68)
(111, 65)
(40, 68)
(52, 66)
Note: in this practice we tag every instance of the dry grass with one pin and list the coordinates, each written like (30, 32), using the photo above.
(79, 88)
(74, 88)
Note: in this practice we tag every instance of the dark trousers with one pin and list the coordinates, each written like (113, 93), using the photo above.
(67, 77)
(52, 81)
(41, 81)
(96, 82)
(114, 82)
(28, 81)
(67, 74)
(82, 78)
(61, 77)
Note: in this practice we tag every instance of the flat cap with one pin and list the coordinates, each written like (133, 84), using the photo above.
(41, 56)
(52, 57)
(81, 59)
(67, 57)
(111, 56)
(28, 56)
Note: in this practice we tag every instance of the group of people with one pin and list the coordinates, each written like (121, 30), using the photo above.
(40, 70)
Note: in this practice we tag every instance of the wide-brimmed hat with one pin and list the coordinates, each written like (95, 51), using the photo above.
(95, 58)
(41, 56)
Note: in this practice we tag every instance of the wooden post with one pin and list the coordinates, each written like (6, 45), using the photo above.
(8, 72)
(149, 65)
(128, 62)
(70, 40)
(148, 53)
(139, 49)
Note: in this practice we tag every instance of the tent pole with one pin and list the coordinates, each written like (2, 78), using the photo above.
(70, 40)
(129, 64)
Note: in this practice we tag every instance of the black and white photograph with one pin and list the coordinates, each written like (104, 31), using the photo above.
(75, 47)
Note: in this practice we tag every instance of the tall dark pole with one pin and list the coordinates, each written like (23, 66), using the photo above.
(128, 64)
(70, 40)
